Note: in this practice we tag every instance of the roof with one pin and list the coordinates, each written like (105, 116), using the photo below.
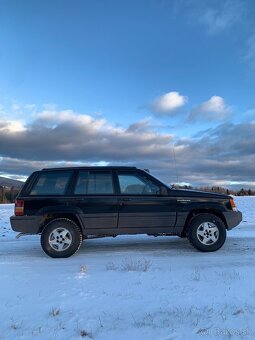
(92, 167)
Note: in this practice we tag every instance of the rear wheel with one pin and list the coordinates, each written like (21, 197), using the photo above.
(61, 238)
(207, 232)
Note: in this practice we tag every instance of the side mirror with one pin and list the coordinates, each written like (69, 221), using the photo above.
(163, 191)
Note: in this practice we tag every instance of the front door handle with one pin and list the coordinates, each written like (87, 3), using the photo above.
(124, 200)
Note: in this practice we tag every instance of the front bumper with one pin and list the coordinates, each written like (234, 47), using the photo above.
(233, 218)
(26, 224)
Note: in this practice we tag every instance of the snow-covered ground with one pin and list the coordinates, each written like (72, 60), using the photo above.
(131, 287)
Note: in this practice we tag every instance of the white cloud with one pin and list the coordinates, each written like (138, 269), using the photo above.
(213, 109)
(215, 104)
(168, 103)
(250, 51)
(219, 16)
(11, 126)
(17, 107)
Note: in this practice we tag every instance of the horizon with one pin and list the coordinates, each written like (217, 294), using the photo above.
(174, 185)
(165, 86)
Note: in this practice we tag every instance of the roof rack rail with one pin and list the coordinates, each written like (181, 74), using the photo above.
(90, 167)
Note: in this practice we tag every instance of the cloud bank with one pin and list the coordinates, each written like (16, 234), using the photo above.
(222, 155)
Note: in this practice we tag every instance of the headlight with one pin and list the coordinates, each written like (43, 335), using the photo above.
(233, 205)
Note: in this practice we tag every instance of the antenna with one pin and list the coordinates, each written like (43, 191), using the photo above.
(175, 167)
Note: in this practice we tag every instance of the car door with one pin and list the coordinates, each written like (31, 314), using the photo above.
(95, 196)
(141, 204)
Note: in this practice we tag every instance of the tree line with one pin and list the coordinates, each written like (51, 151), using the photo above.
(8, 195)
(221, 190)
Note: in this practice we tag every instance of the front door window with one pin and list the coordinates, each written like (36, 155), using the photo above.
(131, 184)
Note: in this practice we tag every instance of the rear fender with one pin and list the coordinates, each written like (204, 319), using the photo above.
(52, 212)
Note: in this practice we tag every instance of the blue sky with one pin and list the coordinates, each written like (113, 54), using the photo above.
(182, 70)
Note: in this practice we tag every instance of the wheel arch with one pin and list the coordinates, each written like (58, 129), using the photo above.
(196, 212)
(53, 215)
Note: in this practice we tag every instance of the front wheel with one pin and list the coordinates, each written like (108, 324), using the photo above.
(61, 238)
(207, 232)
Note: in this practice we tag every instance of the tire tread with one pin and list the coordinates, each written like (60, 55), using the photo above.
(200, 247)
(75, 226)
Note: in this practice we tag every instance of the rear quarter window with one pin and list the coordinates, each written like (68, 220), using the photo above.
(51, 183)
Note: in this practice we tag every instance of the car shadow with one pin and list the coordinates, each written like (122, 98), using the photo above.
(156, 246)
(136, 244)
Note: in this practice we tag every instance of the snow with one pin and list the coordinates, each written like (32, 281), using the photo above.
(130, 287)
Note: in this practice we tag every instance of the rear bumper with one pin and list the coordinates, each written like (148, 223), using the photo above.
(26, 224)
(233, 218)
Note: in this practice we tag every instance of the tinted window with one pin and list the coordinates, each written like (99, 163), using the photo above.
(94, 183)
(137, 185)
(51, 183)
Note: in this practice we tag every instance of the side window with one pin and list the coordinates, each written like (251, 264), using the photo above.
(94, 183)
(51, 183)
(132, 184)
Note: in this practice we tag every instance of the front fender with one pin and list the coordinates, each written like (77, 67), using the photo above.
(186, 205)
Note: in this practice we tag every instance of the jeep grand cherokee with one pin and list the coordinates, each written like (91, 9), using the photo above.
(68, 205)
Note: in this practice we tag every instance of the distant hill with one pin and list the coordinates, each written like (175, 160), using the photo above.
(7, 182)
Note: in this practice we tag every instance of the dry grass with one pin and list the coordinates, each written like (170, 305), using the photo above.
(195, 275)
(130, 265)
(83, 270)
(15, 326)
(136, 265)
(111, 266)
(85, 334)
(55, 312)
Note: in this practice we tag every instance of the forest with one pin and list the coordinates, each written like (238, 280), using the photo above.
(8, 195)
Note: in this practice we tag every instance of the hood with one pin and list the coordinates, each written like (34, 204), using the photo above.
(195, 193)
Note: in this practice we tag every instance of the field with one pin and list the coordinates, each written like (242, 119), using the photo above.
(130, 287)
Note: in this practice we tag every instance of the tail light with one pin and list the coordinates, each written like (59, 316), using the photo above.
(232, 204)
(19, 208)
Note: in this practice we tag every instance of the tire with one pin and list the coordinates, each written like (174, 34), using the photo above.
(207, 232)
(61, 238)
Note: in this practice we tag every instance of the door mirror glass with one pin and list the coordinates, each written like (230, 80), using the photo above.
(163, 191)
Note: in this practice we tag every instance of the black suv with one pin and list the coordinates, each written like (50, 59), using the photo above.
(67, 205)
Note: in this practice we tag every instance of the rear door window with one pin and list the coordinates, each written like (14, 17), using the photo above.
(94, 183)
(51, 183)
